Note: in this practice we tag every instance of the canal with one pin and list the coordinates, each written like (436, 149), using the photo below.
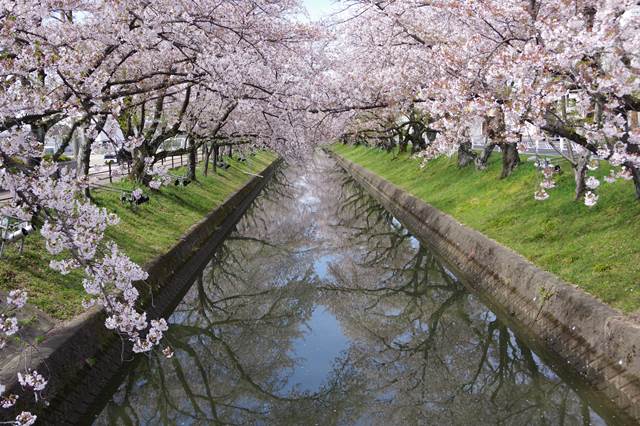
(321, 309)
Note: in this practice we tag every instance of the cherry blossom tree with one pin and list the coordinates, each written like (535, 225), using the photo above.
(514, 64)
(155, 70)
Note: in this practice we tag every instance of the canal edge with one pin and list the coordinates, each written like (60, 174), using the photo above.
(81, 358)
(596, 341)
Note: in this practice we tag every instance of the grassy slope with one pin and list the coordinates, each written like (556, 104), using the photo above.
(143, 234)
(596, 248)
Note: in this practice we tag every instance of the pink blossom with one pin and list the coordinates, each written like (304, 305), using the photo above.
(32, 380)
(25, 418)
(8, 401)
(611, 177)
(590, 199)
(547, 184)
(8, 325)
(137, 193)
(17, 298)
(541, 195)
(592, 182)
(168, 352)
(142, 345)
(625, 173)
(160, 324)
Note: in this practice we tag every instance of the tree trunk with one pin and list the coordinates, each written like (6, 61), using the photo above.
(417, 140)
(634, 149)
(215, 157)
(207, 157)
(417, 144)
(137, 171)
(85, 161)
(510, 159)
(636, 178)
(39, 131)
(580, 173)
(389, 144)
(483, 159)
(193, 161)
(403, 144)
(466, 155)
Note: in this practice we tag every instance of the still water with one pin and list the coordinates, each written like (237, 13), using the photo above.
(322, 309)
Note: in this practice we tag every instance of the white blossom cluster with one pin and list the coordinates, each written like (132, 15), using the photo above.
(30, 380)
(159, 174)
(548, 172)
(532, 71)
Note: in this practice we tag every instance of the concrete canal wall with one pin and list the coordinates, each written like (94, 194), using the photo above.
(83, 361)
(554, 317)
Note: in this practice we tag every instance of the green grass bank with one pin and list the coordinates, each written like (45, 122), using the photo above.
(596, 248)
(143, 233)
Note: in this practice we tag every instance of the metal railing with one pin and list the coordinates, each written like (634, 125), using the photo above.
(111, 170)
(542, 147)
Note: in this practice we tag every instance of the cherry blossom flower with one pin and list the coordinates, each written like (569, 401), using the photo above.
(32, 380)
(548, 172)
(541, 195)
(590, 199)
(17, 298)
(168, 352)
(592, 182)
(142, 345)
(154, 335)
(137, 193)
(625, 173)
(8, 325)
(8, 401)
(64, 266)
(160, 324)
(547, 184)
(88, 303)
(593, 165)
(25, 418)
(611, 177)
(617, 159)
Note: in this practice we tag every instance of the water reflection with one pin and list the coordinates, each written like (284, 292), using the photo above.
(322, 309)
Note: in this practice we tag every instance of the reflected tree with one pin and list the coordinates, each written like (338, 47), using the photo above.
(422, 350)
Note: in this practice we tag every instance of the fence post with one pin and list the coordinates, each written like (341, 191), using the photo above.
(110, 179)
(172, 166)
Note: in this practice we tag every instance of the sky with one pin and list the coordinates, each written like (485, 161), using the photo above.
(320, 8)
